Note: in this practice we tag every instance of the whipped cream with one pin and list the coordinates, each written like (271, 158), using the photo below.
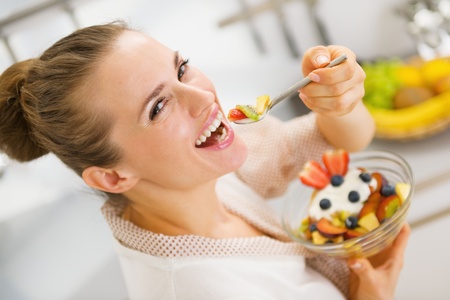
(339, 196)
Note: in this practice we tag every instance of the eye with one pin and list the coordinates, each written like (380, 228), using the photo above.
(182, 68)
(157, 108)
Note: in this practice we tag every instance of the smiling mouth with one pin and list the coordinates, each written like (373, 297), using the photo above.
(214, 134)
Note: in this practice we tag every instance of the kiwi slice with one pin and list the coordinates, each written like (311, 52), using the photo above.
(249, 111)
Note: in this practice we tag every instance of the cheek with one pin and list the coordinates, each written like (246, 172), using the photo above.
(164, 146)
(156, 163)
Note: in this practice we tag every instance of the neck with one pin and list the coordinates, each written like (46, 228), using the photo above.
(194, 211)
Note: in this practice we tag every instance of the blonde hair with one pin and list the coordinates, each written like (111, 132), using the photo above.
(44, 106)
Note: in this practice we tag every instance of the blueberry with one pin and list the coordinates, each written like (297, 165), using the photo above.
(312, 227)
(366, 177)
(387, 190)
(353, 196)
(351, 222)
(325, 203)
(337, 180)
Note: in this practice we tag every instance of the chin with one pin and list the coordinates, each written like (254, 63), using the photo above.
(238, 155)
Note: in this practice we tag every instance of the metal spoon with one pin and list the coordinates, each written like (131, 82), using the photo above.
(302, 83)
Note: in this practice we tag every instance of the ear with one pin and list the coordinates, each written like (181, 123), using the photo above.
(108, 180)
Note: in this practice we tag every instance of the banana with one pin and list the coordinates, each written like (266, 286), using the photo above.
(390, 122)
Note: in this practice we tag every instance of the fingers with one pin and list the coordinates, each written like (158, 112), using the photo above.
(331, 106)
(362, 268)
(401, 241)
(336, 105)
(335, 91)
(314, 58)
(402, 238)
(369, 283)
(334, 75)
(391, 265)
(377, 276)
(335, 81)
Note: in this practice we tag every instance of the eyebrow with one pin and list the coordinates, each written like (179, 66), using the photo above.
(155, 93)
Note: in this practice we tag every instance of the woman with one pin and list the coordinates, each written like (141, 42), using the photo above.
(134, 120)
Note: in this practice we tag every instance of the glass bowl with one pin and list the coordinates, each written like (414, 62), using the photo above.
(393, 167)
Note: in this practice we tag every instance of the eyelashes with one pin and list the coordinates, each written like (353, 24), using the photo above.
(182, 68)
(157, 108)
(162, 101)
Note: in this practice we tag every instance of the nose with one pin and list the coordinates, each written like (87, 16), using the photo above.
(195, 99)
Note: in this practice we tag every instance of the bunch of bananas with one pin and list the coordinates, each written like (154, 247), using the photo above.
(408, 100)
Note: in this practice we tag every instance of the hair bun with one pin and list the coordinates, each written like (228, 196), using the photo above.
(16, 136)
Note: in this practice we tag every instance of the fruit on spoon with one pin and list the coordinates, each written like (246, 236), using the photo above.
(241, 112)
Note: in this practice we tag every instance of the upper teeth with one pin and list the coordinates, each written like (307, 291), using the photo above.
(211, 128)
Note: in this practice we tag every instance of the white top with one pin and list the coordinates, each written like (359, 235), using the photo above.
(161, 267)
(260, 278)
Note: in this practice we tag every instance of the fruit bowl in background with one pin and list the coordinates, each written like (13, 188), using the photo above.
(295, 208)
(409, 99)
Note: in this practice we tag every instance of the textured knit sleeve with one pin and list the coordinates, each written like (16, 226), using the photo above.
(277, 152)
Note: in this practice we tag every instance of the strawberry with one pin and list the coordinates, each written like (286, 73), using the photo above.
(336, 161)
(314, 175)
(235, 114)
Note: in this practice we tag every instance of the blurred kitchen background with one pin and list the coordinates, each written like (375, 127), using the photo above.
(54, 243)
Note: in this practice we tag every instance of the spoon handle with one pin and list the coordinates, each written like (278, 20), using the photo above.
(305, 81)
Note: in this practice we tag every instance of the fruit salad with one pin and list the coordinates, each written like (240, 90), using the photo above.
(346, 203)
(242, 111)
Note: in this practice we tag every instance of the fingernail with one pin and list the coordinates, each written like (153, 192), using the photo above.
(314, 77)
(303, 97)
(321, 59)
(356, 265)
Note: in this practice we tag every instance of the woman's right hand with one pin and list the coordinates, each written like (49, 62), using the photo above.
(376, 278)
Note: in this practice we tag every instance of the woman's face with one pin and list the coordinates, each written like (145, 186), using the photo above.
(162, 111)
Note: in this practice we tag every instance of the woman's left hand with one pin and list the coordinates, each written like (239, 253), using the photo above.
(338, 89)
(376, 278)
